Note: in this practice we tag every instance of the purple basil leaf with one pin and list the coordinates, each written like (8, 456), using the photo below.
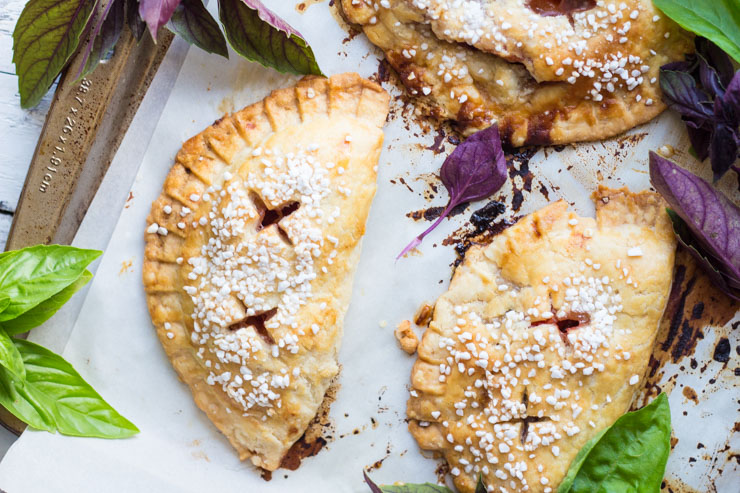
(272, 18)
(710, 78)
(717, 59)
(156, 13)
(373, 487)
(259, 35)
(192, 22)
(104, 35)
(688, 65)
(712, 218)
(700, 137)
(474, 170)
(133, 19)
(681, 94)
(732, 93)
(683, 234)
(727, 108)
(722, 150)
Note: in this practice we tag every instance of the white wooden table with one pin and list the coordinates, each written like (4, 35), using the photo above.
(19, 130)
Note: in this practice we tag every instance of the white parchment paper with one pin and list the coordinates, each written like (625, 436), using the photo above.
(114, 346)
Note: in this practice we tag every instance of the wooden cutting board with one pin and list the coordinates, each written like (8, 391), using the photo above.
(85, 124)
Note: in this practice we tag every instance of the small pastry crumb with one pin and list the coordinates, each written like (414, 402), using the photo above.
(424, 314)
(406, 337)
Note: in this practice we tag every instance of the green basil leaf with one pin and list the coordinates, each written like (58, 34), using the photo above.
(4, 303)
(10, 358)
(575, 466)
(35, 274)
(193, 23)
(407, 488)
(45, 36)
(480, 487)
(55, 397)
(716, 20)
(416, 488)
(258, 40)
(44, 310)
(628, 456)
(24, 403)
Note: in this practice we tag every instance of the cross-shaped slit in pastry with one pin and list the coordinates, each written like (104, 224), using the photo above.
(258, 322)
(567, 323)
(528, 419)
(268, 216)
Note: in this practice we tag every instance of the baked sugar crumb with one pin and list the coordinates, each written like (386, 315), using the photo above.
(406, 337)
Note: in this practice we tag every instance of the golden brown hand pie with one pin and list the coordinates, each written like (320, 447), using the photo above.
(542, 341)
(545, 77)
(251, 250)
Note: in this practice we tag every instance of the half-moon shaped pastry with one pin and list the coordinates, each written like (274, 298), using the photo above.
(542, 341)
(547, 71)
(251, 251)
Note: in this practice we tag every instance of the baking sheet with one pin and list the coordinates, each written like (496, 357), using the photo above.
(114, 346)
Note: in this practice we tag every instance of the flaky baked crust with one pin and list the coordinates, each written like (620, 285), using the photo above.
(542, 340)
(544, 79)
(251, 250)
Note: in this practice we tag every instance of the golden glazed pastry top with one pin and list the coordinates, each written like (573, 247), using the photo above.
(542, 341)
(584, 75)
(250, 252)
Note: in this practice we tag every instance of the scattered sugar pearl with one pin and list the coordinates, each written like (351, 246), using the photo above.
(634, 379)
(666, 150)
(634, 252)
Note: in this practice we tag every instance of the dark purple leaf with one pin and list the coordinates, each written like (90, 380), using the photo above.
(192, 22)
(252, 34)
(133, 19)
(710, 78)
(156, 13)
(474, 170)
(722, 150)
(683, 234)
(272, 18)
(714, 221)
(681, 94)
(700, 137)
(688, 65)
(373, 487)
(711, 112)
(732, 93)
(717, 59)
(104, 35)
(727, 107)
